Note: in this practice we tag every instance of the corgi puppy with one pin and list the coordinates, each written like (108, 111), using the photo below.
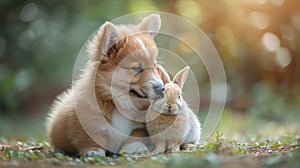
(112, 94)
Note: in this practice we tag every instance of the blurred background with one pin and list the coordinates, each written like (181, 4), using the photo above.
(258, 41)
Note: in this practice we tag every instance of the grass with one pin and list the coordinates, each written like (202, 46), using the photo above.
(247, 142)
(217, 152)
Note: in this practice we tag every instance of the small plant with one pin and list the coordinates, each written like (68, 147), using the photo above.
(220, 151)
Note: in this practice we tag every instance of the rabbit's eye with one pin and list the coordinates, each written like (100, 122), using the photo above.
(179, 97)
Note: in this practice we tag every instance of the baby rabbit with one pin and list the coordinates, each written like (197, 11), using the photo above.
(170, 122)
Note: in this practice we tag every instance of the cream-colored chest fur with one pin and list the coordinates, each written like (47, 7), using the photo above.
(124, 125)
(169, 127)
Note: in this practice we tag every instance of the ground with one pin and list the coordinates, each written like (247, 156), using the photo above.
(218, 151)
(247, 142)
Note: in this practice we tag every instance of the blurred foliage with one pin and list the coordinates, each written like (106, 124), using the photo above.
(258, 41)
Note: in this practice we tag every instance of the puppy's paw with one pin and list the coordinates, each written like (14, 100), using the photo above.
(135, 148)
(188, 147)
(92, 153)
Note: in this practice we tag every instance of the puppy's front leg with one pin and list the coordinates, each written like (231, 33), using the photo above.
(135, 145)
(133, 108)
(160, 147)
(139, 103)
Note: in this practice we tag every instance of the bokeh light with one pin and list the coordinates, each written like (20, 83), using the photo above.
(283, 57)
(29, 12)
(190, 9)
(259, 19)
(278, 2)
(258, 41)
(270, 41)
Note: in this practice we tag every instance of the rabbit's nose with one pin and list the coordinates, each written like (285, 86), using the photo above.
(169, 106)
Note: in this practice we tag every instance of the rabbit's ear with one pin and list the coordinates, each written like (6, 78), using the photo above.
(181, 76)
(163, 74)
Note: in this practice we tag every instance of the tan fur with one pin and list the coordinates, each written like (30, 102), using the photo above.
(171, 122)
(108, 50)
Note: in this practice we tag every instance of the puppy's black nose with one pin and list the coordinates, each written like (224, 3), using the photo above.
(158, 87)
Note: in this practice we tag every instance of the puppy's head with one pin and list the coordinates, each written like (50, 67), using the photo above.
(129, 52)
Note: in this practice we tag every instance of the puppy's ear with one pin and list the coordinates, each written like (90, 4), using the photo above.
(105, 38)
(109, 38)
(151, 24)
(163, 74)
(181, 76)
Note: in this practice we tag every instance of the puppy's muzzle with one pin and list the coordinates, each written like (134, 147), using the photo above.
(158, 88)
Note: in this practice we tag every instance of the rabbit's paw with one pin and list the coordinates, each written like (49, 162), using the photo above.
(174, 149)
(157, 151)
(188, 147)
(92, 153)
(135, 148)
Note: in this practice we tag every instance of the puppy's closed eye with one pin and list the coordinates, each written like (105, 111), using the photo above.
(138, 69)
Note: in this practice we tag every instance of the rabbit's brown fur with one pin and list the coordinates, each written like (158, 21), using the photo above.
(171, 122)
